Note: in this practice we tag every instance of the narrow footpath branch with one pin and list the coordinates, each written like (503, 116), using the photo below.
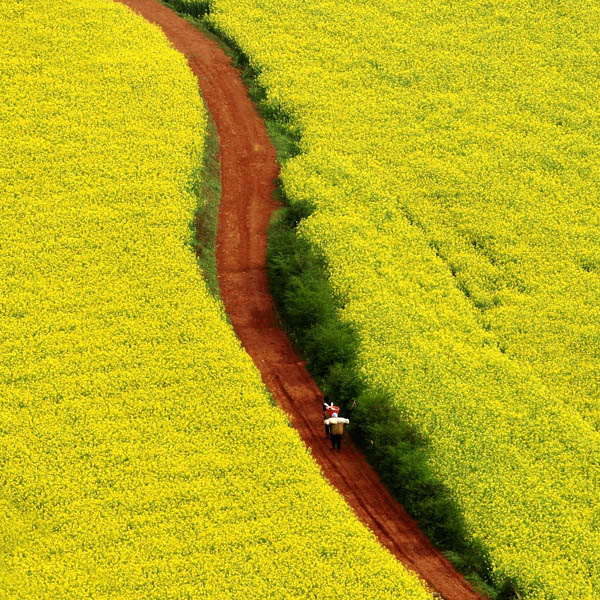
(248, 173)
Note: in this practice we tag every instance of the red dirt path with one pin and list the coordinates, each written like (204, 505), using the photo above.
(248, 171)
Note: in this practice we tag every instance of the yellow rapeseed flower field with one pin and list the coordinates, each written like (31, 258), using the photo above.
(451, 152)
(140, 455)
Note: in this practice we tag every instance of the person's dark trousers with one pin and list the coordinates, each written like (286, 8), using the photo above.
(336, 441)
(327, 430)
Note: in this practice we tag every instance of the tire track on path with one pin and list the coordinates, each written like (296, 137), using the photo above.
(248, 173)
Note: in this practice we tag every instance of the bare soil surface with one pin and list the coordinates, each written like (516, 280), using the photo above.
(248, 172)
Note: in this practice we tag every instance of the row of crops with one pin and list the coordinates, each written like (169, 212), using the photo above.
(140, 454)
(451, 155)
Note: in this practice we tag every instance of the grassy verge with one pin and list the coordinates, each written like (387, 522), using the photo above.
(207, 189)
(193, 8)
(306, 304)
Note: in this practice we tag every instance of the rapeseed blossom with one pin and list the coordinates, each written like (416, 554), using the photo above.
(141, 457)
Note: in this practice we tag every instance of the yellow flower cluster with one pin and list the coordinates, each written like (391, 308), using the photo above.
(451, 152)
(141, 457)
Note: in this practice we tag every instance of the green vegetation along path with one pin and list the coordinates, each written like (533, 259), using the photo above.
(248, 172)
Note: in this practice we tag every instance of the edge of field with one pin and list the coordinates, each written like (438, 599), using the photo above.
(208, 193)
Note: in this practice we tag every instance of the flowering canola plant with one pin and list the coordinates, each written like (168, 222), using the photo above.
(141, 456)
(451, 153)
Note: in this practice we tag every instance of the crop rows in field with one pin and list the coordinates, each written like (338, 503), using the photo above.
(451, 155)
(141, 456)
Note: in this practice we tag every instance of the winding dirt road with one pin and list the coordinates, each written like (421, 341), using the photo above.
(248, 171)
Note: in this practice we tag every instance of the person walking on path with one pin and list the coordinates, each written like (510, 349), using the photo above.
(325, 416)
(328, 410)
(336, 430)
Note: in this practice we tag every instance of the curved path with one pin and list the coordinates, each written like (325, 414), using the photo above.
(248, 171)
